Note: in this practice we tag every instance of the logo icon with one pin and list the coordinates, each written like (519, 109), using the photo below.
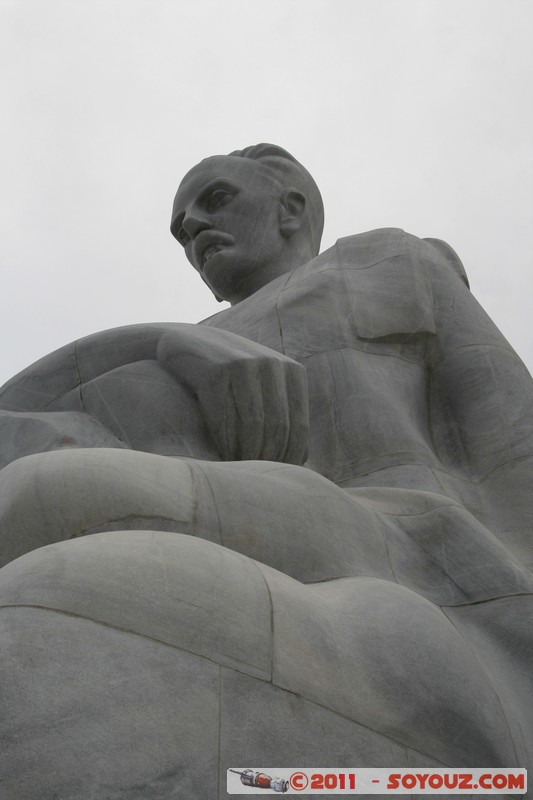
(261, 781)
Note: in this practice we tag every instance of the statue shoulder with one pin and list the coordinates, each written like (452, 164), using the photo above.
(389, 274)
(393, 277)
(447, 257)
(363, 250)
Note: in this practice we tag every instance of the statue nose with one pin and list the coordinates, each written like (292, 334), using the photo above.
(193, 225)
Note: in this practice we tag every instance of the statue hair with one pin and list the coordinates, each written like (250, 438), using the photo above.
(289, 172)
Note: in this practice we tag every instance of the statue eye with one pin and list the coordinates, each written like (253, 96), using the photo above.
(217, 198)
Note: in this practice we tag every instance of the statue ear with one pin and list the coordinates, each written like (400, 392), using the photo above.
(291, 211)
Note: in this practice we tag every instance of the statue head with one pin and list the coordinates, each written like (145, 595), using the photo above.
(246, 218)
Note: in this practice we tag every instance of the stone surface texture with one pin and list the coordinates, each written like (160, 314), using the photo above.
(298, 533)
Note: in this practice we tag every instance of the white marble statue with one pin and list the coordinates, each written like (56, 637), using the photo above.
(296, 534)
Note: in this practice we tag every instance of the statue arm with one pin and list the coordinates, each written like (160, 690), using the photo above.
(143, 382)
(253, 399)
(53, 383)
(480, 386)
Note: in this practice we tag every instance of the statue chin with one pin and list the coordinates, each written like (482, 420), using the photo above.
(297, 533)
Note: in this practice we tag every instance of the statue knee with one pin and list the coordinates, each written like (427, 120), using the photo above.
(64, 494)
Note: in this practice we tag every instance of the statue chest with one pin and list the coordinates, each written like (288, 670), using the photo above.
(367, 396)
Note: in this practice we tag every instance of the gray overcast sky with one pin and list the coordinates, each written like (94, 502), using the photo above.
(409, 113)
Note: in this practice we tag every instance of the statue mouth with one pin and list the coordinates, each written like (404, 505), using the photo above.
(209, 243)
(210, 251)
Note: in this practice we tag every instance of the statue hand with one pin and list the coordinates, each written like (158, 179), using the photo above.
(253, 399)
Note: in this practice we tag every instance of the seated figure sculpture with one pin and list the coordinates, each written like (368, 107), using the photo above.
(295, 534)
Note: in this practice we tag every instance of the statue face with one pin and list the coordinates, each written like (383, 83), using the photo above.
(226, 216)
